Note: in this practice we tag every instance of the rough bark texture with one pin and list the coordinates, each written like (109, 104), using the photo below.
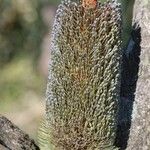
(130, 90)
(140, 128)
(12, 138)
(129, 76)
(3, 148)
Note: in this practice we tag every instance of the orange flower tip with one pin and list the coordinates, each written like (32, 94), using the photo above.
(89, 4)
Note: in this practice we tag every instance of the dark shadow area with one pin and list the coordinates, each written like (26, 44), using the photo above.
(129, 76)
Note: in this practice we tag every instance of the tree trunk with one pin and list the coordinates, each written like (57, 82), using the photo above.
(140, 127)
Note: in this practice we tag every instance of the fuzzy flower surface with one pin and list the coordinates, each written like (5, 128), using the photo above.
(84, 76)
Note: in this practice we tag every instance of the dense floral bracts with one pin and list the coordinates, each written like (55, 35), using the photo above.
(84, 76)
(89, 3)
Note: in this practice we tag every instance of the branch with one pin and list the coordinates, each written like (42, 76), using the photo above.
(12, 138)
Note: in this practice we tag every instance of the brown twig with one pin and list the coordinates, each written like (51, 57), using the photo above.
(12, 138)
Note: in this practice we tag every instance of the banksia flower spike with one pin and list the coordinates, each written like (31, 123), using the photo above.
(84, 76)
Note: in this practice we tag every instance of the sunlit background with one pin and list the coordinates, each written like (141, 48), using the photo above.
(25, 27)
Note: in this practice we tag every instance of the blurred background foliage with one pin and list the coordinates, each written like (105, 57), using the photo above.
(24, 49)
(20, 24)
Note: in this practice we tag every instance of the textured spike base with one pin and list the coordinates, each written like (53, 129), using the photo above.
(84, 77)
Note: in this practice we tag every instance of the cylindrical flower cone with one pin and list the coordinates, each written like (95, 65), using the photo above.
(84, 76)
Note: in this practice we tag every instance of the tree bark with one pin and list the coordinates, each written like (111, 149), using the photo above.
(140, 127)
(12, 138)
